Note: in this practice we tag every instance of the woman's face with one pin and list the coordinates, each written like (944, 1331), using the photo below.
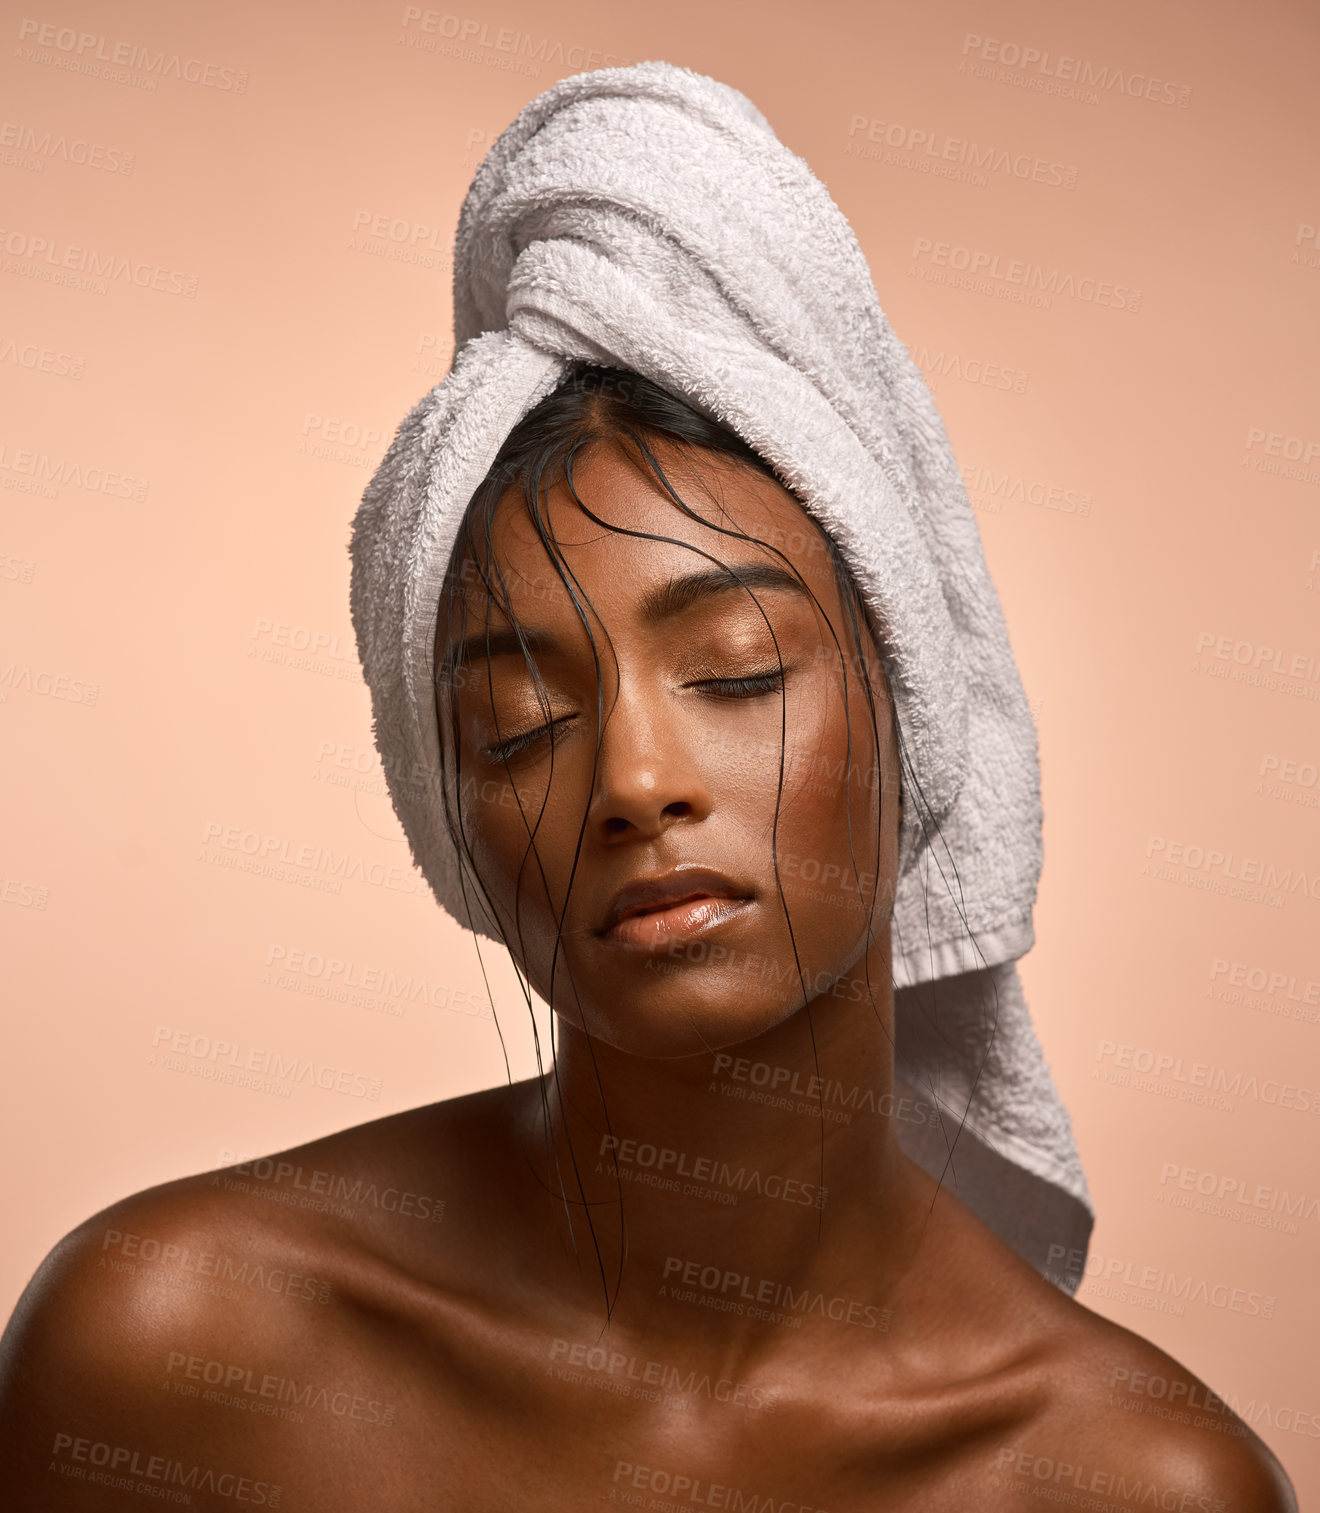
(676, 936)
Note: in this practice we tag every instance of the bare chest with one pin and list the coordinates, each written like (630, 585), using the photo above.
(585, 1428)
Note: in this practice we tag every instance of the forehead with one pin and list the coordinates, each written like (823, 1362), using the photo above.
(730, 502)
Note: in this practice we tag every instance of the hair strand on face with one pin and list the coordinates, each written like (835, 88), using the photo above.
(596, 405)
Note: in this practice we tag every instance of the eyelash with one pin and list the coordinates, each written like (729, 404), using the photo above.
(744, 688)
(750, 687)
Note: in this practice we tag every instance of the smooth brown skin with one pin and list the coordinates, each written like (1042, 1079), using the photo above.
(464, 1333)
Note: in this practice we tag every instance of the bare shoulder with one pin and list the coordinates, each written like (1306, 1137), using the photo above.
(109, 1344)
(1072, 1408)
(298, 1226)
(1123, 1420)
(223, 1325)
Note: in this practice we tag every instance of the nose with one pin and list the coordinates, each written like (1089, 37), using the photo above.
(648, 775)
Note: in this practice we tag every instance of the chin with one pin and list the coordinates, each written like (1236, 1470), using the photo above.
(667, 995)
(672, 1015)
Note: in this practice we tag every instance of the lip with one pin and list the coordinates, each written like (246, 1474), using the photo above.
(652, 912)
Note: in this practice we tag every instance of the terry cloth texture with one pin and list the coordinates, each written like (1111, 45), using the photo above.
(648, 218)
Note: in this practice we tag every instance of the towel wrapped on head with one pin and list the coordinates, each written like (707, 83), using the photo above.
(647, 218)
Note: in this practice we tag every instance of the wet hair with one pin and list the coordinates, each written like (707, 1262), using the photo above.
(594, 405)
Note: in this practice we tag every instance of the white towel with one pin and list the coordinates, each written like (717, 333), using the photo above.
(648, 218)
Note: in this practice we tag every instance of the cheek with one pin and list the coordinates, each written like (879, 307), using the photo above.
(825, 832)
(500, 818)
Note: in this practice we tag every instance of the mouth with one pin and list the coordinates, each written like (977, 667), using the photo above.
(654, 913)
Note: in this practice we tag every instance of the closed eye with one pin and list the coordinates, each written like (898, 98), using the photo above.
(742, 688)
(752, 686)
(496, 755)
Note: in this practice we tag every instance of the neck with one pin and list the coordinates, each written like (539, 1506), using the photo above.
(768, 1165)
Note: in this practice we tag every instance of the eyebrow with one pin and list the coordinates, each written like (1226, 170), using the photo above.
(664, 602)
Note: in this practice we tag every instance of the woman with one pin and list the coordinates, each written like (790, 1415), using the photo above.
(681, 749)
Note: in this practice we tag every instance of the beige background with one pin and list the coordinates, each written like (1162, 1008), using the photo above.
(180, 463)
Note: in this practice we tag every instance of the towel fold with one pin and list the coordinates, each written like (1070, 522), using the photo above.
(648, 218)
